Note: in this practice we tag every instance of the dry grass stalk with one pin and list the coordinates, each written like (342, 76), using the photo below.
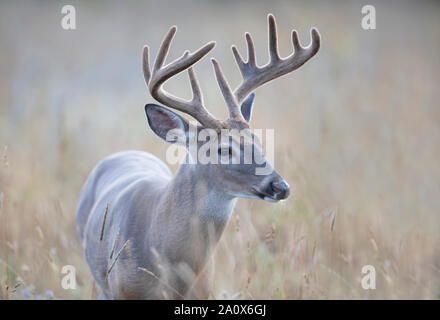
(103, 223)
(237, 223)
(116, 259)
(114, 245)
(270, 235)
(40, 232)
(5, 157)
(332, 225)
(161, 281)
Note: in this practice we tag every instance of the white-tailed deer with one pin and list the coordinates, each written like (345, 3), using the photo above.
(150, 235)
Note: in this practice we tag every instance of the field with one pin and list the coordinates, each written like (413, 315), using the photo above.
(357, 136)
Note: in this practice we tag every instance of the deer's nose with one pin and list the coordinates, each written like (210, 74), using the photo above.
(280, 189)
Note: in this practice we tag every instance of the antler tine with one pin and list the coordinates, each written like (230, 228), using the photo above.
(160, 73)
(295, 41)
(146, 64)
(273, 40)
(315, 44)
(233, 107)
(254, 76)
(238, 58)
(195, 87)
(246, 67)
(252, 58)
(163, 49)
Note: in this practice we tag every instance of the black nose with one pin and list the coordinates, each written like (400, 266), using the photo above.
(280, 189)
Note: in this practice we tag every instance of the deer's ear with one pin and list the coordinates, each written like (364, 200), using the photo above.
(168, 125)
(246, 107)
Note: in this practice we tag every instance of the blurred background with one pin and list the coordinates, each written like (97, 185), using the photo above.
(357, 136)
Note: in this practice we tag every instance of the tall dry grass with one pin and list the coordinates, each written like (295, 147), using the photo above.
(357, 136)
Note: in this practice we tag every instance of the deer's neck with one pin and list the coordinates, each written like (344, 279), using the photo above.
(192, 215)
(195, 195)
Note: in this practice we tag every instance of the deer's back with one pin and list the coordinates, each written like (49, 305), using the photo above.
(119, 182)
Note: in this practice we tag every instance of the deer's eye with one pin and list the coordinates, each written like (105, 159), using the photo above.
(224, 151)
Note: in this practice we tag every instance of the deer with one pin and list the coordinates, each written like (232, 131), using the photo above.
(149, 234)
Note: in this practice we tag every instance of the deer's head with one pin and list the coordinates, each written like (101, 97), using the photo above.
(241, 169)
